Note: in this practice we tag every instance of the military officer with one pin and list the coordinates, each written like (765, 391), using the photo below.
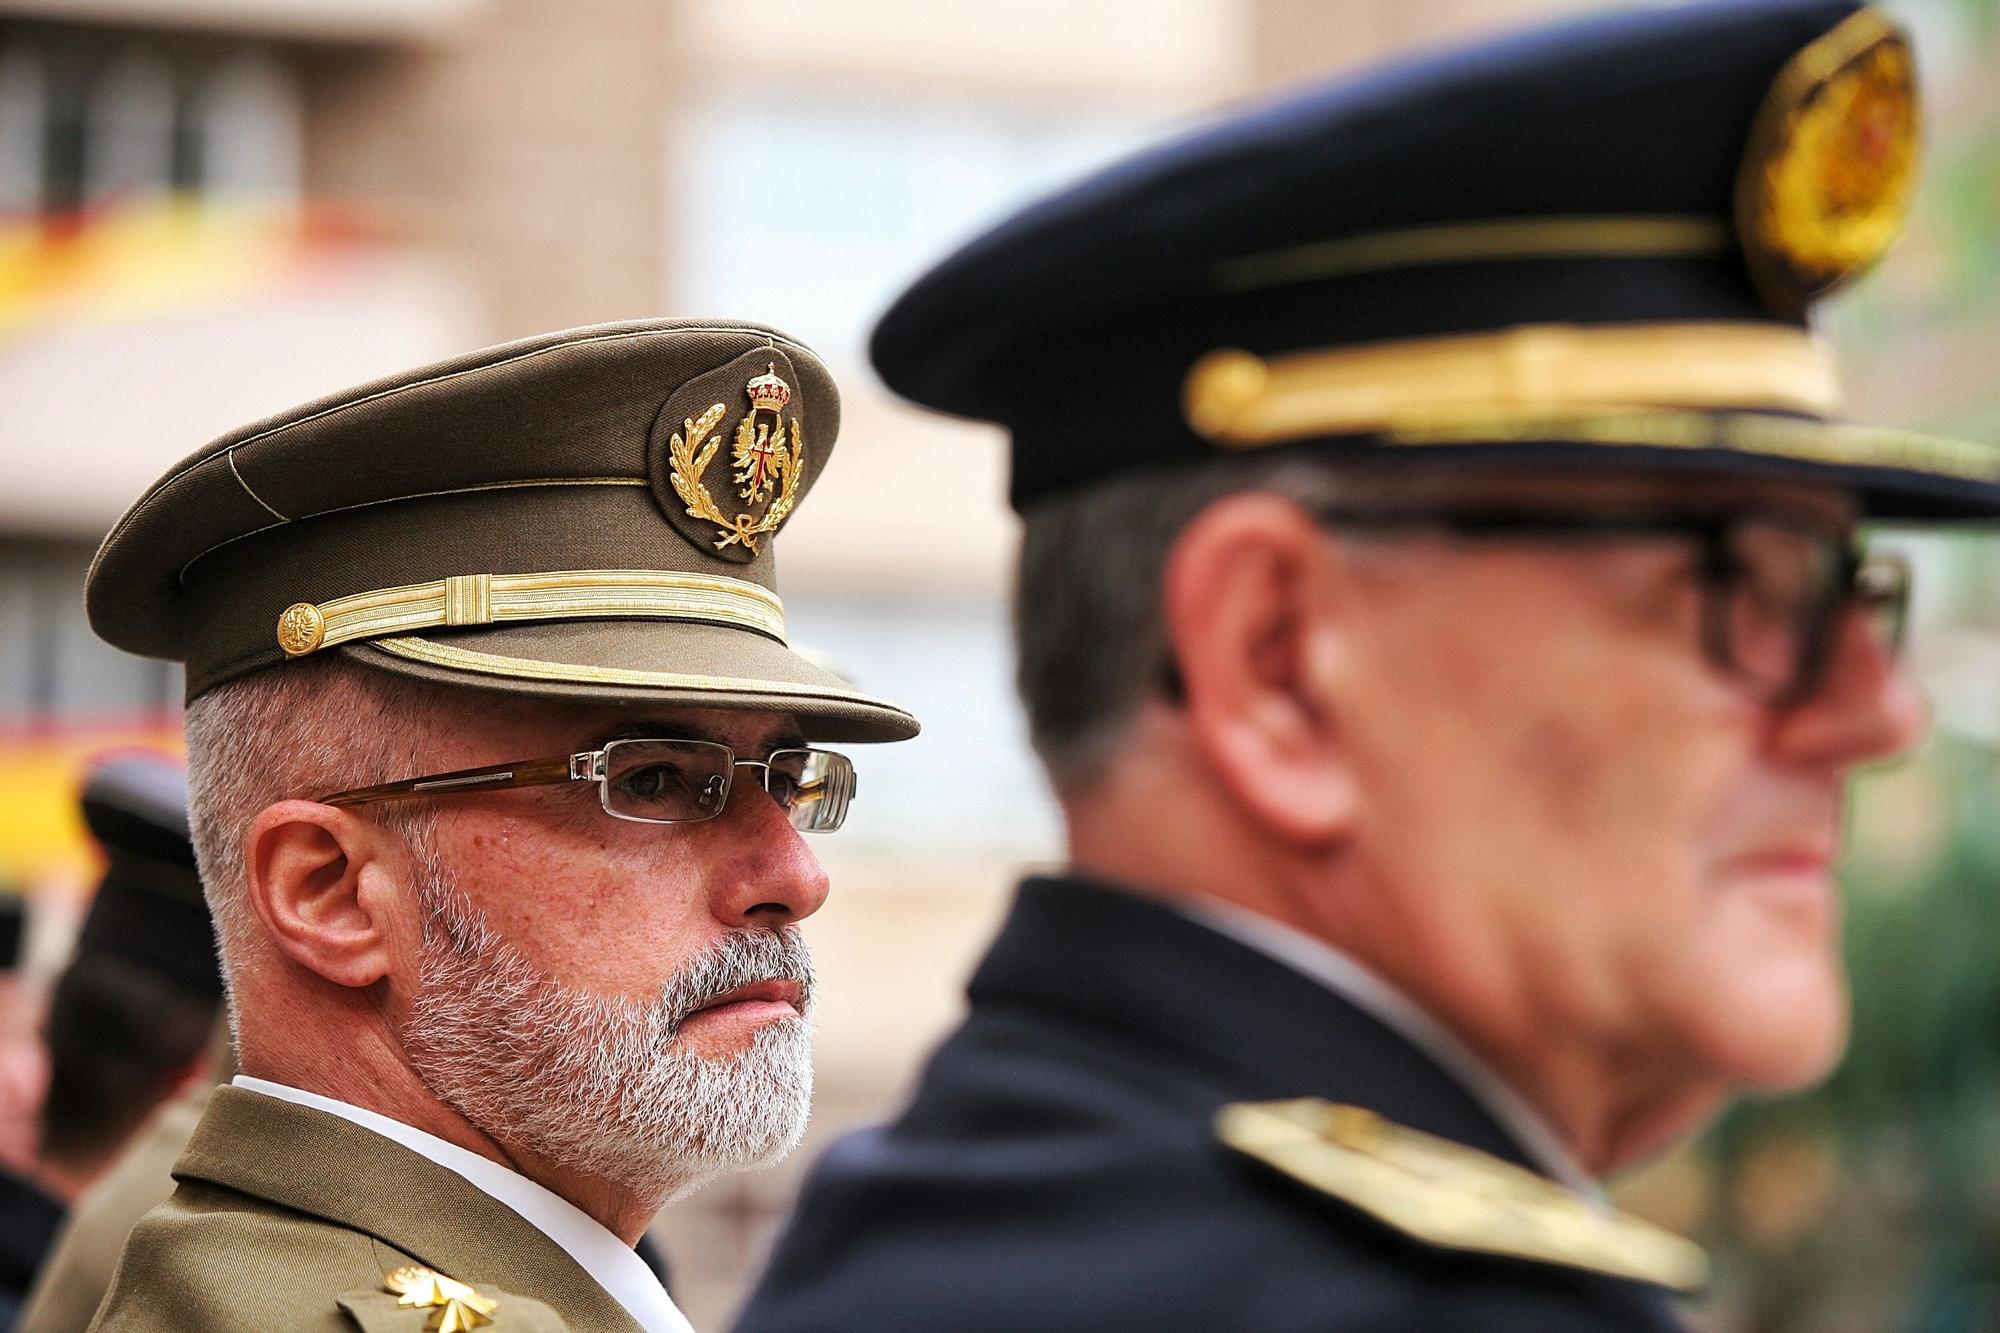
(129, 1017)
(499, 764)
(1441, 617)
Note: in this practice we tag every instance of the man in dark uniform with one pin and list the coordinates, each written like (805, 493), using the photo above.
(1441, 616)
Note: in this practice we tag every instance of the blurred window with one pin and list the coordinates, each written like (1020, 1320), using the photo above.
(93, 119)
(24, 114)
(90, 118)
(127, 139)
(969, 782)
(812, 210)
(52, 668)
(244, 129)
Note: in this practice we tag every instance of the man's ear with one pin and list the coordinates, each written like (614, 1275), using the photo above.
(1248, 595)
(324, 882)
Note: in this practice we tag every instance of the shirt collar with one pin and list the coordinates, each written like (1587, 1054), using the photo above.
(1347, 977)
(609, 1260)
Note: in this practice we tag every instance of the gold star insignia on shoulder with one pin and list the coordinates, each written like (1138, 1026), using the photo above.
(458, 1307)
(1446, 1194)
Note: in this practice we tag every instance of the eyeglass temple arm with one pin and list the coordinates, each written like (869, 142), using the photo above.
(493, 777)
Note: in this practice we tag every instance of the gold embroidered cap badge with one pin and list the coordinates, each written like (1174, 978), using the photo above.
(1832, 162)
(768, 457)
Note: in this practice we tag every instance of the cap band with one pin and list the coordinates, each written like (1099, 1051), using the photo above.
(1241, 401)
(484, 599)
(1489, 241)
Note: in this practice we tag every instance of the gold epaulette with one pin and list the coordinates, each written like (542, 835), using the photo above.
(1446, 1194)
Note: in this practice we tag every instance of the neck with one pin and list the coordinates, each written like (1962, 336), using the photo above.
(374, 1075)
(1610, 1100)
(1609, 1107)
(1611, 1110)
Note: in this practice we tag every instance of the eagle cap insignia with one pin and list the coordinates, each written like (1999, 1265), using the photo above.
(731, 507)
(1832, 160)
(457, 1307)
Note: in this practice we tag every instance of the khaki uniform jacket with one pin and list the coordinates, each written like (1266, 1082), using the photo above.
(289, 1218)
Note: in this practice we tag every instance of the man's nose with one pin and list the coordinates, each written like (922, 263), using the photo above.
(1867, 708)
(774, 877)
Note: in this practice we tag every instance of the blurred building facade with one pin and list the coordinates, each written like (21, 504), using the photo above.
(213, 209)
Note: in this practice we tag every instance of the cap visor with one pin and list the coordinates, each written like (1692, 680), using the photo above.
(643, 661)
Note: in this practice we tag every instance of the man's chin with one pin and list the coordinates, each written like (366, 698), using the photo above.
(699, 1176)
(1783, 1046)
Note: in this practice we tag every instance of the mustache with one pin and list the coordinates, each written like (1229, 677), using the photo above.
(738, 959)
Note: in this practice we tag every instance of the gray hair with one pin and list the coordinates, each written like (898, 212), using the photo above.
(1091, 639)
(299, 730)
(600, 1083)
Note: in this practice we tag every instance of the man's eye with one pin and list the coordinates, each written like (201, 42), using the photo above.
(1778, 592)
(652, 780)
(784, 787)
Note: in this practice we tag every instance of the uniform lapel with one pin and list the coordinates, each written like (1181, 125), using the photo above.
(312, 1162)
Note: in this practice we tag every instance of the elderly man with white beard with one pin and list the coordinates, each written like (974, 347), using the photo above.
(499, 761)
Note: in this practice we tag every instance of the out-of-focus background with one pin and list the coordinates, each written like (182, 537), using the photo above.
(213, 209)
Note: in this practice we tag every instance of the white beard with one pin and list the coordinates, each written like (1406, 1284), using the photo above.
(597, 1085)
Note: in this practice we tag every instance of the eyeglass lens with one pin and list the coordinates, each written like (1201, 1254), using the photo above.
(1776, 592)
(1781, 594)
(677, 782)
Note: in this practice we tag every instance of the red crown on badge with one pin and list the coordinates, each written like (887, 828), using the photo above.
(768, 393)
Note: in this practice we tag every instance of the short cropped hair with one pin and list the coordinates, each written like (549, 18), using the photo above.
(119, 1037)
(302, 729)
(1088, 624)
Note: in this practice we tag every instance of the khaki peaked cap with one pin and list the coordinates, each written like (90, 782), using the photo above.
(588, 514)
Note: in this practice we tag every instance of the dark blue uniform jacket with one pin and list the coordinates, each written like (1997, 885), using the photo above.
(1058, 1169)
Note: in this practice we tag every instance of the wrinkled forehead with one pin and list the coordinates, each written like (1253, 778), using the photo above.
(554, 725)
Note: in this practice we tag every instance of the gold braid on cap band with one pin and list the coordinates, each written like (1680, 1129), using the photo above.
(1242, 401)
(485, 599)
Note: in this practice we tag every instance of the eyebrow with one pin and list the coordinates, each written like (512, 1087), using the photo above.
(652, 729)
(786, 738)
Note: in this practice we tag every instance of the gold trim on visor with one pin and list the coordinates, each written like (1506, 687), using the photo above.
(1239, 400)
(484, 599)
(578, 673)
(1492, 241)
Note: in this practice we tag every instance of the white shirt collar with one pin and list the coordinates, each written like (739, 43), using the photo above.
(609, 1260)
(1350, 979)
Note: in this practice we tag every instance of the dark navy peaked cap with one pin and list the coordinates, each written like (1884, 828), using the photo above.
(1603, 233)
(148, 913)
